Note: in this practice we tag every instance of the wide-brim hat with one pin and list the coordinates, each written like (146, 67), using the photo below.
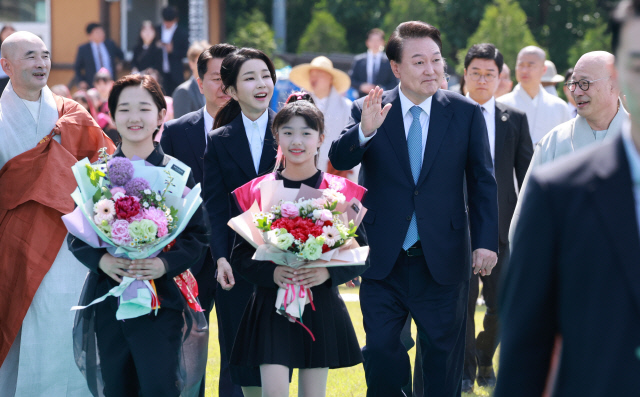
(300, 74)
(551, 75)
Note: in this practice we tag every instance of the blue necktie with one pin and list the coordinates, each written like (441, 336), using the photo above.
(414, 143)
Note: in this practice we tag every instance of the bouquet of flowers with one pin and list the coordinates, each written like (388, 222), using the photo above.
(303, 227)
(134, 210)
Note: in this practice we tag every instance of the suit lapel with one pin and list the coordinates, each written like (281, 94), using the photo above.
(439, 119)
(234, 139)
(501, 118)
(269, 148)
(622, 229)
(196, 137)
(394, 129)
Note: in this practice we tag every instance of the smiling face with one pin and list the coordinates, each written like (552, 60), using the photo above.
(26, 60)
(299, 142)
(602, 97)
(253, 89)
(481, 90)
(421, 70)
(211, 85)
(137, 115)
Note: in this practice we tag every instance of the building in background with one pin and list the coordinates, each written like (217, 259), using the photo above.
(61, 24)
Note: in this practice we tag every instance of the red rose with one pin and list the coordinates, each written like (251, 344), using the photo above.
(126, 207)
(325, 248)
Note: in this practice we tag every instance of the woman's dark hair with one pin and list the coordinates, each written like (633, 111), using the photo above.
(484, 51)
(298, 104)
(410, 30)
(229, 71)
(132, 80)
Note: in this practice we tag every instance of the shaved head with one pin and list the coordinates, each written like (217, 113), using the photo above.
(27, 62)
(599, 102)
(533, 50)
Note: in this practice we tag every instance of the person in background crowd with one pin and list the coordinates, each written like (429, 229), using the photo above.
(174, 41)
(185, 139)
(571, 103)
(187, 97)
(326, 85)
(372, 68)
(506, 85)
(551, 78)
(574, 263)
(511, 151)
(417, 223)
(169, 114)
(41, 279)
(98, 53)
(61, 90)
(147, 53)
(600, 117)
(4, 33)
(103, 82)
(103, 119)
(544, 111)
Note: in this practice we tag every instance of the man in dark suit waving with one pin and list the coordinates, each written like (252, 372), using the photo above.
(511, 151)
(185, 139)
(372, 68)
(416, 144)
(575, 263)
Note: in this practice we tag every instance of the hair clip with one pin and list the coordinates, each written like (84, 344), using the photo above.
(299, 96)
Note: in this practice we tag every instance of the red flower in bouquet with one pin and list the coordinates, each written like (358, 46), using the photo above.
(127, 207)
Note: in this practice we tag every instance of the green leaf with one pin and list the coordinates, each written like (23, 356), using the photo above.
(97, 195)
(106, 192)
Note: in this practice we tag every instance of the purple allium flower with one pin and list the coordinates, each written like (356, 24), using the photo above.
(136, 186)
(120, 171)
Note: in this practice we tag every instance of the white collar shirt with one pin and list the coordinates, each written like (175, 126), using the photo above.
(101, 56)
(373, 65)
(407, 117)
(208, 123)
(255, 135)
(166, 35)
(489, 113)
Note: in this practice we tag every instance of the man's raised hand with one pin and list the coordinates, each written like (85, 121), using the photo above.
(373, 114)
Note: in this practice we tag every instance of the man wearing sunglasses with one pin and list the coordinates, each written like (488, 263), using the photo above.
(600, 115)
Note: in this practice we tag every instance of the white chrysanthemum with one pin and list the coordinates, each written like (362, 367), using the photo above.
(147, 191)
(158, 197)
(333, 195)
(331, 234)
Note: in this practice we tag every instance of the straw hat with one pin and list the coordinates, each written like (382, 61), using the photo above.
(551, 75)
(300, 74)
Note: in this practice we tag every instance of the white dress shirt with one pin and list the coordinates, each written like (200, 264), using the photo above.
(208, 123)
(166, 35)
(255, 135)
(373, 65)
(100, 53)
(407, 119)
(544, 112)
(489, 113)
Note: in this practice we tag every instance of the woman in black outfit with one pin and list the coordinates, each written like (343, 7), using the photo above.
(147, 54)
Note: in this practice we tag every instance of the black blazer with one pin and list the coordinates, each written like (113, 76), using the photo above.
(574, 272)
(85, 66)
(185, 139)
(457, 145)
(188, 250)
(228, 165)
(150, 57)
(358, 73)
(513, 151)
(180, 41)
(187, 98)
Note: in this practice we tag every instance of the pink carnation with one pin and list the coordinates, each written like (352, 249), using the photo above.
(289, 210)
(120, 232)
(158, 217)
(137, 217)
(118, 190)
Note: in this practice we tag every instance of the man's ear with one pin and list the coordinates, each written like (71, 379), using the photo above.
(199, 81)
(395, 68)
(6, 66)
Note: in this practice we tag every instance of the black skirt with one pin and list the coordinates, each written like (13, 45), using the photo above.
(266, 337)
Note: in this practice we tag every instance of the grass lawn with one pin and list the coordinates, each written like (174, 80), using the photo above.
(347, 382)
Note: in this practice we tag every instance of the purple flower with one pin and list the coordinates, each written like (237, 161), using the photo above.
(120, 171)
(136, 186)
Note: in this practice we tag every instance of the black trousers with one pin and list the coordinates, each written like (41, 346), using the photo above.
(440, 315)
(480, 350)
(139, 356)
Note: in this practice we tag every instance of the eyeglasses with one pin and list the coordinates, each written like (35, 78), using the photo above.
(475, 76)
(447, 77)
(583, 84)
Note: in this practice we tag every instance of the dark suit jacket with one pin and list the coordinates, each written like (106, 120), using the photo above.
(513, 151)
(150, 57)
(180, 43)
(85, 66)
(457, 144)
(187, 98)
(228, 165)
(358, 73)
(574, 271)
(185, 139)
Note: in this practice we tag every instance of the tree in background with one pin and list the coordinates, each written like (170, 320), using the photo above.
(504, 25)
(597, 38)
(358, 17)
(323, 35)
(253, 31)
